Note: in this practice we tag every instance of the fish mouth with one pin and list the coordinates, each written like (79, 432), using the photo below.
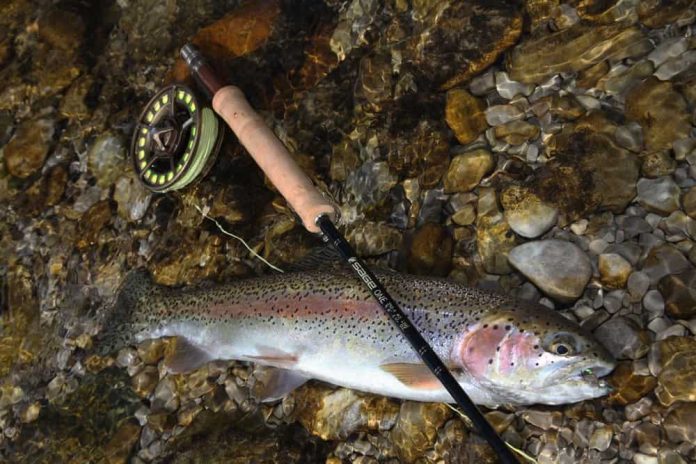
(593, 375)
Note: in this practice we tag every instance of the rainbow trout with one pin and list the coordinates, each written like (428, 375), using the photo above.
(326, 326)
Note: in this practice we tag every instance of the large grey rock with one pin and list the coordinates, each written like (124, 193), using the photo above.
(560, 269)
(659, 195)
(623, 338)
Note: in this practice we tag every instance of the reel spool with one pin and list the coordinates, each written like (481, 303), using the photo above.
(176, 140)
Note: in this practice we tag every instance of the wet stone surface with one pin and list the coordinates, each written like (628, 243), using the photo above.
(543, 149)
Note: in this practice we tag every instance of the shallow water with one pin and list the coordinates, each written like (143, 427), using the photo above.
(471, 140)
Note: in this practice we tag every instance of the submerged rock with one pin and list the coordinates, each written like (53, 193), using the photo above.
(494, 239)
(574, 49)
(624, 338)
(416, 428)
(560, 269)
(680, 424)
(431, 251)
(26, 152)
(629, 385)
(661, 111)
(464, 114)
(454, 41)
(614, 270)
(679, 291)
(674, 361)
(466, 170)
(526, 213)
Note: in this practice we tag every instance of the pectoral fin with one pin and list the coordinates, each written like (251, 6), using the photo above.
(273, 356)
(416, 376)
(186, 357)
(274, 383)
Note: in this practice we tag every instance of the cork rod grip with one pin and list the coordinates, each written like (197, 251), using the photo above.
(272, 157)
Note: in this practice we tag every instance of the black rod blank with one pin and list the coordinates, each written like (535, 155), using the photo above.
(418, 343)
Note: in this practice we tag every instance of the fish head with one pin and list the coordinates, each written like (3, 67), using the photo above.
(534, 355)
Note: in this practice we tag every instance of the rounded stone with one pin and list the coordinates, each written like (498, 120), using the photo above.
(26, 152)
(560, 269)
(614, 270)
(661, 111)
(689, 203)
(624, 338)
(638, 283)
(106, 159)
(680, 424)
(658, 164)
(464, 114)
(679, 291)
(659, 195)
(466, 170)
(516, 132)
(431, 251)
(526, 213)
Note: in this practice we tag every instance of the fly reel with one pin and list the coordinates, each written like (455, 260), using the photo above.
(176, 140)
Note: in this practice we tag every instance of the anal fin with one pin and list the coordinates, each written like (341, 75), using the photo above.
(186, 357)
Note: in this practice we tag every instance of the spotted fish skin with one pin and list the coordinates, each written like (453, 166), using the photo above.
(327, 326)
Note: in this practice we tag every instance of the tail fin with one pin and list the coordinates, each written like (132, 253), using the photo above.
(125, 318)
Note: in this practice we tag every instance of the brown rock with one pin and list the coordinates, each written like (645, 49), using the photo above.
(456, 41)
(564, 107)
(466, 170)
(320, 59)
(336, 414)
(588, 171)
(494, 238)
(629, 387)
(526, 214)
(574, 49)
(374, 238)
(658, 164)
(680, 424)
(119, 447)
(662, 352)
(145, 381)
(465, 115)
(344, 160)
(242, 31)
(679, 291)
(465, 216)
(431, 251)
(421, 152)
(516, 132)
(375, 82)
(689, 202)
(61, 29)
(588, 78)
(677, 377)
(417, 427)
(614, 270)
(47, 191)
(661, 111)
(92, 223)
(659, 13)
(73, 105)
(26, 151)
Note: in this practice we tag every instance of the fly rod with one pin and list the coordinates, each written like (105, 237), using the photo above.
(317, 215)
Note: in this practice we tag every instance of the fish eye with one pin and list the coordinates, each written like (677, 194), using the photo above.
(561, 349)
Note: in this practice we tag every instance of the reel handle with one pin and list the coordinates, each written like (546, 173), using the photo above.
(261, 143)
(272, 157)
